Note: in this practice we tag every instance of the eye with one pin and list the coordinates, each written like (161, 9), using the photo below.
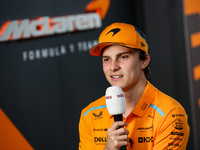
(124, 57)
(105, 59)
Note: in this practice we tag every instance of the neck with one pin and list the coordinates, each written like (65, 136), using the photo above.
(133, 95)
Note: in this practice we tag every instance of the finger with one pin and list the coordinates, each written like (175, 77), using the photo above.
(116, 125)
(119, 124)
(122, 144)
(122, 131)
(122, 138)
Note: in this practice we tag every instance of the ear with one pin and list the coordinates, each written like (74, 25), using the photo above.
(145, 62)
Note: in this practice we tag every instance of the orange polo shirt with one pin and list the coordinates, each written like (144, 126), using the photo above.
(157, 122)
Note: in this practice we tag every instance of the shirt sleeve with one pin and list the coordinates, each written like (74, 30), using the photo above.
(173, 131)
(85, 134)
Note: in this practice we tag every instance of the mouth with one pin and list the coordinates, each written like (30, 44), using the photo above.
(116, 76)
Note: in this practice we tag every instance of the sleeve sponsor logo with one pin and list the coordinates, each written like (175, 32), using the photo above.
(174, 144)
(177, 133)
(177, 115)
(178, 124)
(175, 139)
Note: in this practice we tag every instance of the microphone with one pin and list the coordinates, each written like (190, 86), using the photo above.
(116, 103)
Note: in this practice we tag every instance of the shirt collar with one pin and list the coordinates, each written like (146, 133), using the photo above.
(145, 100)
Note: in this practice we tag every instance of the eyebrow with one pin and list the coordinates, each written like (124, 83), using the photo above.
(118, 55)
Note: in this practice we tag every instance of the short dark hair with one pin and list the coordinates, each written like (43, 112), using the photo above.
(143, 56)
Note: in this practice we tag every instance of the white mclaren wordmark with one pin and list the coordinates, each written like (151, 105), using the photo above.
(45, 26)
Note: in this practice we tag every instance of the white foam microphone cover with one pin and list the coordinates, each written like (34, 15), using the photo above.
(115, 100)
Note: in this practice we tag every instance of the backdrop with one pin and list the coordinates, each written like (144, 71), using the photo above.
(47, 75)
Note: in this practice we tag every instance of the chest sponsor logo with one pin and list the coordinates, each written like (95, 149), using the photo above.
(100, 140)
(98, 116)
(145, 129)
(178, 124)
(145, 139)
(100, 129)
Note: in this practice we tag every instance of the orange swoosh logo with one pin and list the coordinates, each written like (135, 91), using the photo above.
(191, 7)
(99, 6)
(11, 138)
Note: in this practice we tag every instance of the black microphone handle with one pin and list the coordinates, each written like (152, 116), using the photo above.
(119, 118)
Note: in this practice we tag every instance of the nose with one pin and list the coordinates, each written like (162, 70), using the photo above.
(114, 66)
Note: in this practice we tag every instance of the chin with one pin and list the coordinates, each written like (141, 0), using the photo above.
(121, 86)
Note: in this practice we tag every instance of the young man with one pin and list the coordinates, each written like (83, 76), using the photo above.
(152, 119)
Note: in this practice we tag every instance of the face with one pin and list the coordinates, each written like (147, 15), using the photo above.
(122, 66)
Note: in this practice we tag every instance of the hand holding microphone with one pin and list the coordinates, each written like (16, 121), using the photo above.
(116, 105)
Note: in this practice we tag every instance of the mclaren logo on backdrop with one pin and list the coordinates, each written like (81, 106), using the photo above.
(45, 26)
